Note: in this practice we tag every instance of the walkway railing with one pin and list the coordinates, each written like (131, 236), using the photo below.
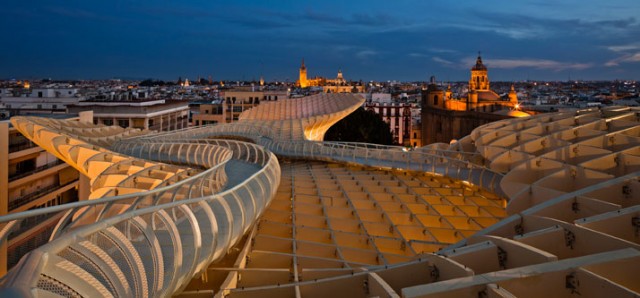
(150, 243)
(452, 164)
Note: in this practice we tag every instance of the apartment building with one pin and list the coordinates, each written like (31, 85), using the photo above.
(152, 114)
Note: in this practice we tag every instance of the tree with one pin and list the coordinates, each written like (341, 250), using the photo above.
(152, 83)
(361, 126)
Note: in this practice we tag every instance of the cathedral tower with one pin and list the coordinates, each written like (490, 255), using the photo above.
(479, 79)
(513, 95)
(303, 75)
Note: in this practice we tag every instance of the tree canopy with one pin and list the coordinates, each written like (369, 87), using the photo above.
(152, 82)
(361, 126)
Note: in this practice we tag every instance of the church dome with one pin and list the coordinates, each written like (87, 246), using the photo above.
(479, 65)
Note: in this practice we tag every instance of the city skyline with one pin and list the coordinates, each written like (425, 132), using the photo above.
(406, 40)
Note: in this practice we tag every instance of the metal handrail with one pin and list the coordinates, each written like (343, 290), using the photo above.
(444, 162)
(185, 224)
(260, 187)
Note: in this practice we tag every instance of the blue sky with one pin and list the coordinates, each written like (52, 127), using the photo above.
(368, 40)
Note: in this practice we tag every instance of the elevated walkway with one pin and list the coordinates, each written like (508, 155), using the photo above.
(167, 205)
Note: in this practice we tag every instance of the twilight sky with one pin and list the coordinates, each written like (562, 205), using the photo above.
(368, 40)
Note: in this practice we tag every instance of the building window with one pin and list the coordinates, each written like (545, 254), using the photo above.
(150, 122)
(435, 100)
(197, 122)
(124, 123)
(415, 136)
(25, 166)
(54, 107)
(107, 122)
(39, 107)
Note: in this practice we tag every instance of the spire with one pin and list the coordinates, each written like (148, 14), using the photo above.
(302, 66)
(479, 65)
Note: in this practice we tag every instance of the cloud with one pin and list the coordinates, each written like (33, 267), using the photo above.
(630, 53)
(520, 26)
(442, 61)
(372, 20)
(624, 48)
(256, 23)
(514, 32)
(443, 51)
(74, 13)
(628, 58)
(233, 15)
(531, 63)
(330, 19)
(623, 23)
(312, 15)
(366, 54)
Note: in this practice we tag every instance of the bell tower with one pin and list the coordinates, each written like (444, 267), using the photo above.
(513, 95)
(303, 75)
(479, 79)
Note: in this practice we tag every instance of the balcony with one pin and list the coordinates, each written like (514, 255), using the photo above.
(21, 146)
(23, 200)
(38, 169)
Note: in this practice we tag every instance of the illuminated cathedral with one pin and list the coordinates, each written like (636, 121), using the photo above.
(337, 85)
(445, 118)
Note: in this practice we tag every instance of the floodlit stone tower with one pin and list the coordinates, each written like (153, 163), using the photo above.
(303, 75)
(513, 95)
(479, 80)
